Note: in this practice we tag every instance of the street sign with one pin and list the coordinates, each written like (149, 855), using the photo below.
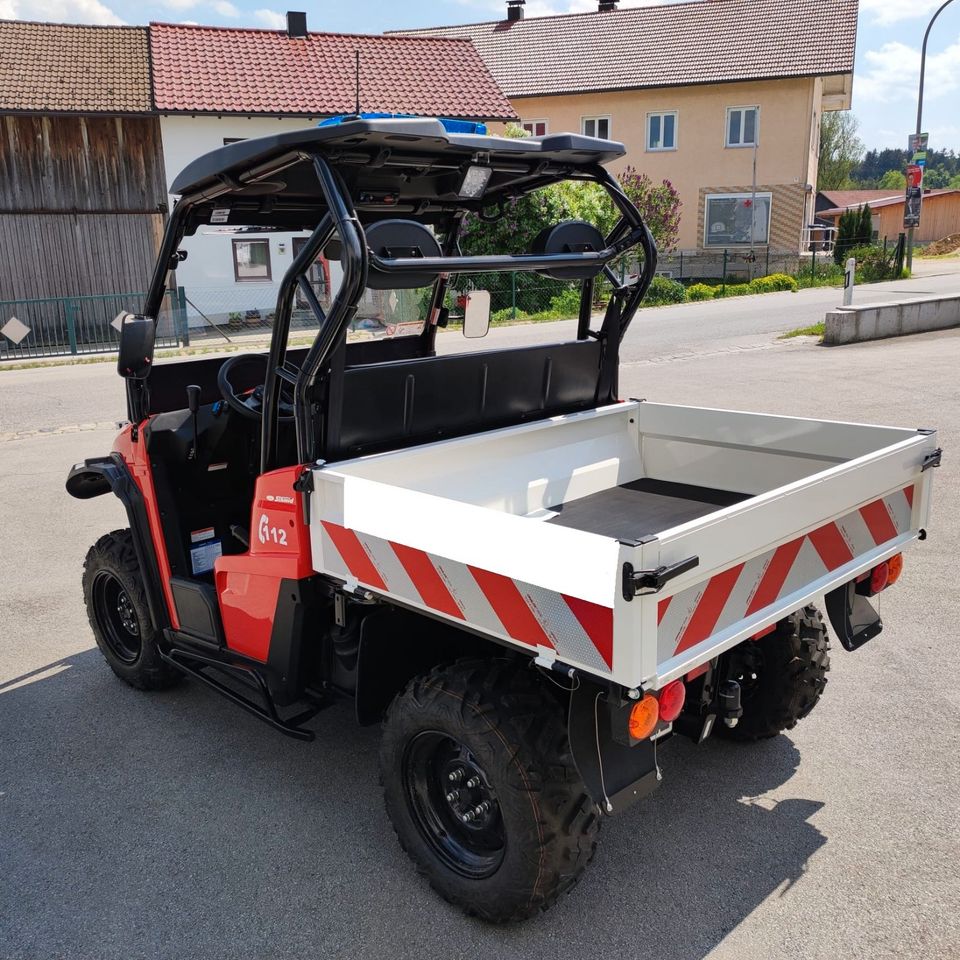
(913, 196)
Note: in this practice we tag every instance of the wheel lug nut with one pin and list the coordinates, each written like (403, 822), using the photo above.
(473, 782)
(453, 795)
(456, 776)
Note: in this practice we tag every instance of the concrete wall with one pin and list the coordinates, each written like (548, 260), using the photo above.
(876, 321)
(702, 163)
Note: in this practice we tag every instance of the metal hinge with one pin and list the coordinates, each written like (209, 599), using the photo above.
(304, 486)
(931, 460)
(637, 582)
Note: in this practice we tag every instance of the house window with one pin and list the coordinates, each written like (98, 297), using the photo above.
(662, 131)
(728, 216)
(742, 126)
(595, 127)
(536, 128)
(251, 260)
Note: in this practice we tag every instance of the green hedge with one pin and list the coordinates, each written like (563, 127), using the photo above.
(773, 282)
(701, 291)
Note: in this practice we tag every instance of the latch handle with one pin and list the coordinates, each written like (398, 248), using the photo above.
(653, 581)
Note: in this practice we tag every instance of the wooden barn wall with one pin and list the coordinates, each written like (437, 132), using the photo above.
(66, 255)
(939, 218)
(107, 164)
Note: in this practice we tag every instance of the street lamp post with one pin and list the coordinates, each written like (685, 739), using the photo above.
(923, 67)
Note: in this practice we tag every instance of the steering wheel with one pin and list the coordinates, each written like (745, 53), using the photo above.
(249, 403)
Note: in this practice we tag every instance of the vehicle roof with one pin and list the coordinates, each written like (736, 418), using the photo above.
(397, 163)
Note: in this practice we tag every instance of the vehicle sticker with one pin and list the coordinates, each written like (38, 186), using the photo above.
(198, 536)
(217, 466)
(220, 215)
(204, 555)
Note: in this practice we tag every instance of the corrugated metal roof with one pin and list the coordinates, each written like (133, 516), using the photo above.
(668, 45)
(229, 70)
(59, 67)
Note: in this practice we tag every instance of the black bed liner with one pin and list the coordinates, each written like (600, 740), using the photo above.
(642, 508)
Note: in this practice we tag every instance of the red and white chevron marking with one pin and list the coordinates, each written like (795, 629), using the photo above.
(580, 631)
(693, 615)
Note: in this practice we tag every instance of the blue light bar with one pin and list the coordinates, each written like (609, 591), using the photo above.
(450, 125)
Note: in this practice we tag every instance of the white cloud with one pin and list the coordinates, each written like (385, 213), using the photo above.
(226, 9)
(891, 11)
(59, 11)
(270, 18)
(179, 4)
(892, 73)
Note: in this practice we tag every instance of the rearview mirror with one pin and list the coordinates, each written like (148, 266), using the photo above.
(137, 335)
(476, 316)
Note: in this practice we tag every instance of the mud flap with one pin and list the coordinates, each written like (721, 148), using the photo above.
(852, 617)
(615, 774)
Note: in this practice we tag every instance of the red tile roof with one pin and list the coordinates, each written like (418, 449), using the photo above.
(668, 45)
(66, 68)
(227, 70)
(854, 198)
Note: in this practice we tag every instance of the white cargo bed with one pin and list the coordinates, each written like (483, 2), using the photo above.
(523, 534)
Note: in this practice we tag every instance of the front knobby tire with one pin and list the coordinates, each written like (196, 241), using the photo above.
(116, 604)
(782, 676)
(484, 740)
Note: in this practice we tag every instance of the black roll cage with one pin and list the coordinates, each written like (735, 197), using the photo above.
(340, 219)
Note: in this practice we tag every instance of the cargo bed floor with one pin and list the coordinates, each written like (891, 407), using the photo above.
(641, 508)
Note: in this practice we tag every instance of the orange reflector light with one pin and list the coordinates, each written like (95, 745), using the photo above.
(643, 717)
(879, 576)
(894, 569)
(671, 700)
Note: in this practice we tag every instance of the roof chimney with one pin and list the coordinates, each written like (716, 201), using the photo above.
(604, 6)
(515, 9)
(296, 25)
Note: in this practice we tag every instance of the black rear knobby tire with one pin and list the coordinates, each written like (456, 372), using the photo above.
(511, 734)
(790, 665)
(117, 608)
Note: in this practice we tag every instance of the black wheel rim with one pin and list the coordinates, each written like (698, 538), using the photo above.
(453, 804)
(117, 617)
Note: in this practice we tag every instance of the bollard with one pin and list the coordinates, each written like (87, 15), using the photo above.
(848, 277)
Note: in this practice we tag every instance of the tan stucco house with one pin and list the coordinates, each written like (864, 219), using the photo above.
(698, 92)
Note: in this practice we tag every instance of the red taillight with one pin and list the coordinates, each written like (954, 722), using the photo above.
(672, 697)
(879, 577)
(895, 568)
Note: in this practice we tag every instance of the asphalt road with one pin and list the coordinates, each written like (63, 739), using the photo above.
(174, 826)
(37, 399)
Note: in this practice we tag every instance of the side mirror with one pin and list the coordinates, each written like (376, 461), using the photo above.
(476, 316)
(137, 335)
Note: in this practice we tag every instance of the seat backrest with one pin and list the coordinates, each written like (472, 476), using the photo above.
(401, 403)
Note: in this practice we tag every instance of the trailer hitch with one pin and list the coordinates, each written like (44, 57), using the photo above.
(637, 582)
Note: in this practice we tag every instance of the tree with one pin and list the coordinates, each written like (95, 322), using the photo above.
(659, 205)
(840, 149)
(865, 227)
(893, 180)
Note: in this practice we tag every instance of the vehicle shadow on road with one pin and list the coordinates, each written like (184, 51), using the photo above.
(173, 825)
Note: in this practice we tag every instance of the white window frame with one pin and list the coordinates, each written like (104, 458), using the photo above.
(596, 120)
(661, 114)
(759, 195)
(756, 127)
(533, 125)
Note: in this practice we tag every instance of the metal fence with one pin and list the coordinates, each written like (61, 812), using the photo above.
(210, 315)
(54, 326)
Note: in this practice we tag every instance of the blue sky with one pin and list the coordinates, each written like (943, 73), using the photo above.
(888, 45)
